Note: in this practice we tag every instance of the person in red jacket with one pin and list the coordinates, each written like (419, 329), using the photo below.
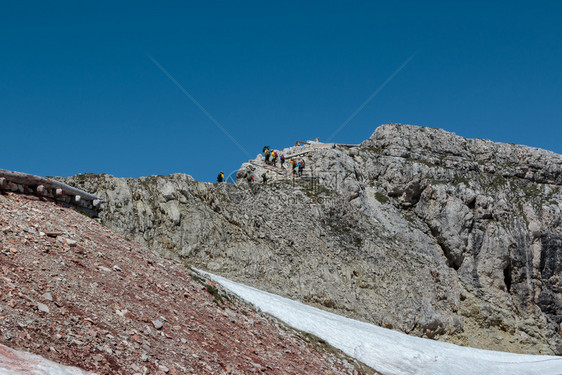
(294, 164)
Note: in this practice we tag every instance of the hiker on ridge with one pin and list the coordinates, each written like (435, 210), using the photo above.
(265, 177)
(250, 177)
(294, 164)
(220, 177)
(301, 167)
(274, 158)
(267, 154)
(282, 160)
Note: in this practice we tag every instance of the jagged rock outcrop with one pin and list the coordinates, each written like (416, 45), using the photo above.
(416, 229)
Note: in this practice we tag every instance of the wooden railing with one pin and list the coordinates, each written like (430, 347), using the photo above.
(48, 188)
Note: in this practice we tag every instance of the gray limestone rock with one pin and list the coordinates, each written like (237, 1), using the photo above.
(415, 229)
(42, 307)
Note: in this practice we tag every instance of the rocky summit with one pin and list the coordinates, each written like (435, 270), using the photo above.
(415, 229)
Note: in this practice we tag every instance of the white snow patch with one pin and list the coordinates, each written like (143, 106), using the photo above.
(388, 351)
(14, 362)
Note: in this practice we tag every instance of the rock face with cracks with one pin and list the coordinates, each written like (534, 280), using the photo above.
(415, 229)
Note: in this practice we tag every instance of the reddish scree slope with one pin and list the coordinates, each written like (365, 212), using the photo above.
(79, 294)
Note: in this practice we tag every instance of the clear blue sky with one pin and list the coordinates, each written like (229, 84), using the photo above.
(80, 93)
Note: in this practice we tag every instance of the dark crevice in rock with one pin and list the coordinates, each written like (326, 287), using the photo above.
(550, 265)
(412, 193)
(551, 255)
(507, 278)
(452, 261)
(508, 269)
(472, 203)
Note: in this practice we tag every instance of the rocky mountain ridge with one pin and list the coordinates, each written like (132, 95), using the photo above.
(415, 229)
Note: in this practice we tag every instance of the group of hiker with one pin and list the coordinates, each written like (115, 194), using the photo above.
(271, 158)
(298, 167)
